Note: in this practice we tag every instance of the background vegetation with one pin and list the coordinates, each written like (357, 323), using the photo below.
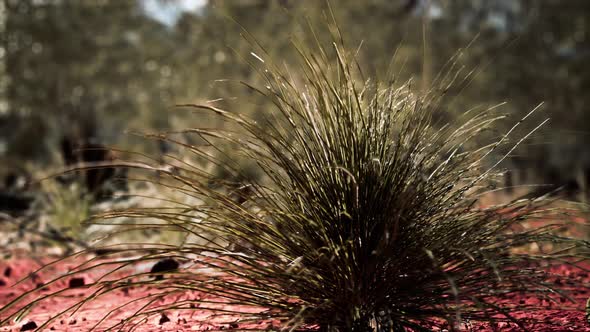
(101, 68)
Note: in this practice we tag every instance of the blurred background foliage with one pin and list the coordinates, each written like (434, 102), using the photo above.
(100, 68)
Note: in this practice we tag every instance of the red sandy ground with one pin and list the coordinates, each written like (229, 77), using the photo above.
(553, 319)
(14, 270)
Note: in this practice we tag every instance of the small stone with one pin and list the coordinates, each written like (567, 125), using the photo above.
(7, 272)
(164, 265)
(29, 326)
(76, 282)
(2, 282)
(164, 319)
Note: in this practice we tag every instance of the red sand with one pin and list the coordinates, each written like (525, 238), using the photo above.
(13, 270)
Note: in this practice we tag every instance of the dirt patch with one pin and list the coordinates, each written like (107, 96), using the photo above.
(17, 276)
(74, 289)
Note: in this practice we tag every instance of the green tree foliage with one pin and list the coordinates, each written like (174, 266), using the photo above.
(82, 65)
(109, 63)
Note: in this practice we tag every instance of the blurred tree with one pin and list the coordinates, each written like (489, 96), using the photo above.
(3, 78)
(538, 52)
(85, 66)
(105, 66)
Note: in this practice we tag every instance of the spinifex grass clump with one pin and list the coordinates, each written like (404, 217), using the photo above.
(365, 218)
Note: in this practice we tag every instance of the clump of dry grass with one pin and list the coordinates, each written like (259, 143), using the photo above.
(365, 218)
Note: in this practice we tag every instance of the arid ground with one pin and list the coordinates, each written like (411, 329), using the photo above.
(554, 318)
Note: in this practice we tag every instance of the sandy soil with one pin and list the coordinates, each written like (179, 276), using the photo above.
(554, 318)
